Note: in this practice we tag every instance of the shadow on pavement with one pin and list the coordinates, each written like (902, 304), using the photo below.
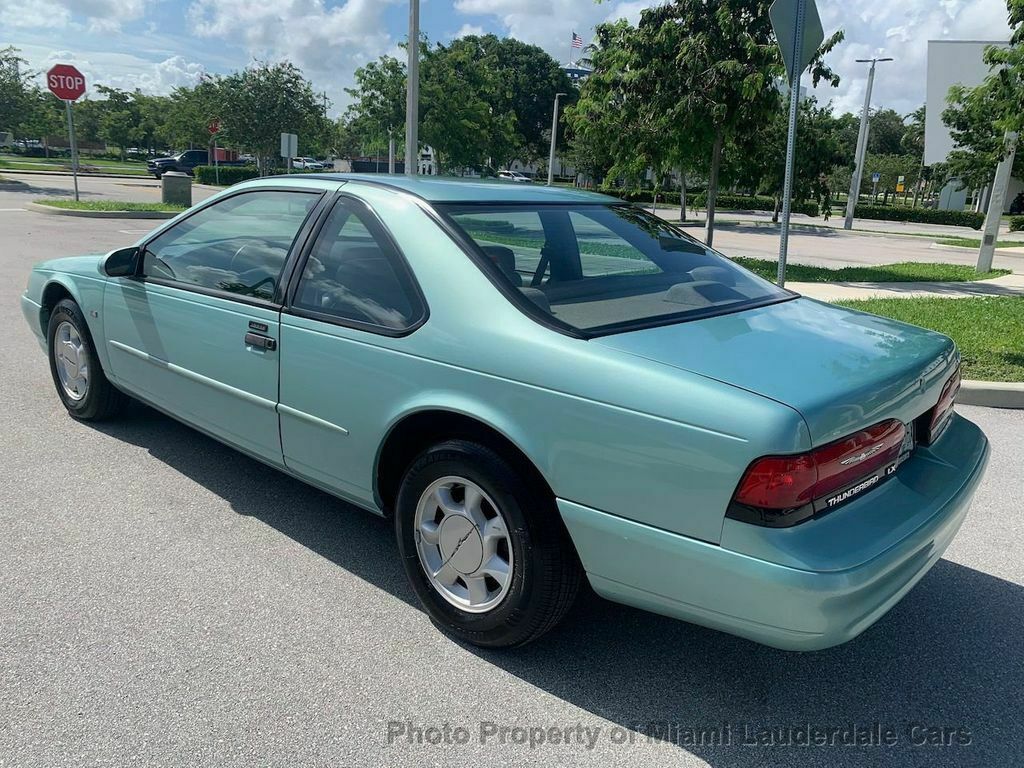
(949, 656)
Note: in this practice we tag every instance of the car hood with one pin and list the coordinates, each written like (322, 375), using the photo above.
(162, 159)
(841, 369)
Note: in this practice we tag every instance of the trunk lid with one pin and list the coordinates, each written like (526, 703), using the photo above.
(843, 370)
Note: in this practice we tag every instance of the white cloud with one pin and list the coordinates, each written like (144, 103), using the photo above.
(96, 16)
(467, 30)
(899, 29)
(327, 43)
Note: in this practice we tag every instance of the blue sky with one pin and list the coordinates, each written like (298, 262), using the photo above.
(155, 45)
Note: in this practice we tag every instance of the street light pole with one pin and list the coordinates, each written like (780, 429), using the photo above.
(554, 135)
(862, 145)
(412, 93)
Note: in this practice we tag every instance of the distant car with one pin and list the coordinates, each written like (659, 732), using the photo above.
(185, 162)
(535, 385)
(307, 164)
(514, 176)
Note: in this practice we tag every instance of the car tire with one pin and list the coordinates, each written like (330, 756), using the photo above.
(88, 396)
(471, 594)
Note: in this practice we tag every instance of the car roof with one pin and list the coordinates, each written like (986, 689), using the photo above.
(438, 189)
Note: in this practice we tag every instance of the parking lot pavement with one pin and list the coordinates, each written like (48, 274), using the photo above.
(166, 601)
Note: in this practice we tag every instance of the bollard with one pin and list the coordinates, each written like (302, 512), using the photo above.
(176, 188)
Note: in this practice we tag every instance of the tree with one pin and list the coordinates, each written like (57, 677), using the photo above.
(973, 116)
(260, 103)
(379, 107)
(15, 90)
(887, 129)
(709, 69)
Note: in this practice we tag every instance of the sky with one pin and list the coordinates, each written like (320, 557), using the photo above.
(156, 45)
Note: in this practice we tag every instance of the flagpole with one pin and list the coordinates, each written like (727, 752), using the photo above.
(572, 42)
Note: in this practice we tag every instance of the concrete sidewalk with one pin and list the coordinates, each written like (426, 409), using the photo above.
(1007, 285)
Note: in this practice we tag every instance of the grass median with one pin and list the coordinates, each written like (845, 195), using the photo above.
(971, 242)
(110, 205)
(904, 272)
(988, 330)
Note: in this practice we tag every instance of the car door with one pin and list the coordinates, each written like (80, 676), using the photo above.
(195, 332)
(352, 306)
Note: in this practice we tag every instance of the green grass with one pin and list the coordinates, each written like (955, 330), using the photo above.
(970, 242)
(988, 330)
(18, 163)
(110, 205)
(904, 272)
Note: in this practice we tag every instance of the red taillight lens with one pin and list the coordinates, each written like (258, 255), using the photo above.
(779, 483)
(943, 409)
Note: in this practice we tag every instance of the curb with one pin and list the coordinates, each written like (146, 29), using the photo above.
(50, 210)
(991, 394)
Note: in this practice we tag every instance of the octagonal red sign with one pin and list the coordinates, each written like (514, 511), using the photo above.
(65, 82)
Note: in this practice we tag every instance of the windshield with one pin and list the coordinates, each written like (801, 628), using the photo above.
(607, 268)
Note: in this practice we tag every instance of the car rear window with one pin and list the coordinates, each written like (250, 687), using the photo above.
(607, 268)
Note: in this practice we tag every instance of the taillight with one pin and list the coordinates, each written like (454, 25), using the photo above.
(933, 422)
(783, 490)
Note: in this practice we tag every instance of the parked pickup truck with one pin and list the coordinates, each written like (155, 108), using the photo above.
(185, 162)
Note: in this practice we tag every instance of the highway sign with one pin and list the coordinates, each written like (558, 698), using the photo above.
(788, 27)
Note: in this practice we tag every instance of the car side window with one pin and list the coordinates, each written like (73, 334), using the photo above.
(354, 273)
(237, 245)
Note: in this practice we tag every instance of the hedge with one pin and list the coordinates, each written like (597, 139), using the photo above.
(1016, 223)
(231, 174)
(752, 203)
(920, 215)
(699, 200)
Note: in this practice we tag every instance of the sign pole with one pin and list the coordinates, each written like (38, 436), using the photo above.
(216, 165)
(794, 103)
(74, 146)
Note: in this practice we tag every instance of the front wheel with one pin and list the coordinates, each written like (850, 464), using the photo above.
(81, 384)
(484, 547)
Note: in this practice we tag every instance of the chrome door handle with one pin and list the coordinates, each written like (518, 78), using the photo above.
(260, 341)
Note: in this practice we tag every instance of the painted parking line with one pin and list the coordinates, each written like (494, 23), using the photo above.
(11, 210)
(134, 231)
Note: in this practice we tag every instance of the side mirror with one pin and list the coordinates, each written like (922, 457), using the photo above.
(122, 262)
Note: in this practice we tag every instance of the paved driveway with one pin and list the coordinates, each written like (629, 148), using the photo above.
(166, 601)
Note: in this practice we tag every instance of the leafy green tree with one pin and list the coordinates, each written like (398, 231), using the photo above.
(886, 135)
(260, 103)
(15, 89)
(709, 69)
(379, 107)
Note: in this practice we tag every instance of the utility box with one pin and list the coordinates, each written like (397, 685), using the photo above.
(176, 189)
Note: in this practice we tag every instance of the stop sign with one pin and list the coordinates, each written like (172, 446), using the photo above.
(65, 82)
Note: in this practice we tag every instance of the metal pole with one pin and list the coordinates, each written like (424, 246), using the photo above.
(391, 151)
(554, 136)
(996, 203)
(794, 103)
(74, 147)
(216, 164)
(412, 92)
(862, 145)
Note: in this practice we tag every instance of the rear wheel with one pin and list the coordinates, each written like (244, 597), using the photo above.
(77, 375)
(484, 548)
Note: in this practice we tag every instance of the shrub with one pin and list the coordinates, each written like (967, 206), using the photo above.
(1016, 223)
(753, 203)
(920, 215)
(231, 174)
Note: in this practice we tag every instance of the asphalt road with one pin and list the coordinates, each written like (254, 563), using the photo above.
(167, 601)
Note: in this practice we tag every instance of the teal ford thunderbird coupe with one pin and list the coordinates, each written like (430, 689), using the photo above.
(539, 386)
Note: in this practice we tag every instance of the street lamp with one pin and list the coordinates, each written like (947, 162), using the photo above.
(412, 93)
(862, 145)
(554, 135)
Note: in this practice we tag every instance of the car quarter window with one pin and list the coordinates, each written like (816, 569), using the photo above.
(238, 245)
(355, 274)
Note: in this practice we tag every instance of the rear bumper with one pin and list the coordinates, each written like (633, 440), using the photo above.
(783, 597)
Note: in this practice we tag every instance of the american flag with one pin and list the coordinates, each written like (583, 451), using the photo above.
(577, 41)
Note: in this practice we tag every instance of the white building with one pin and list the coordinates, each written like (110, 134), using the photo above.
(953, 62)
